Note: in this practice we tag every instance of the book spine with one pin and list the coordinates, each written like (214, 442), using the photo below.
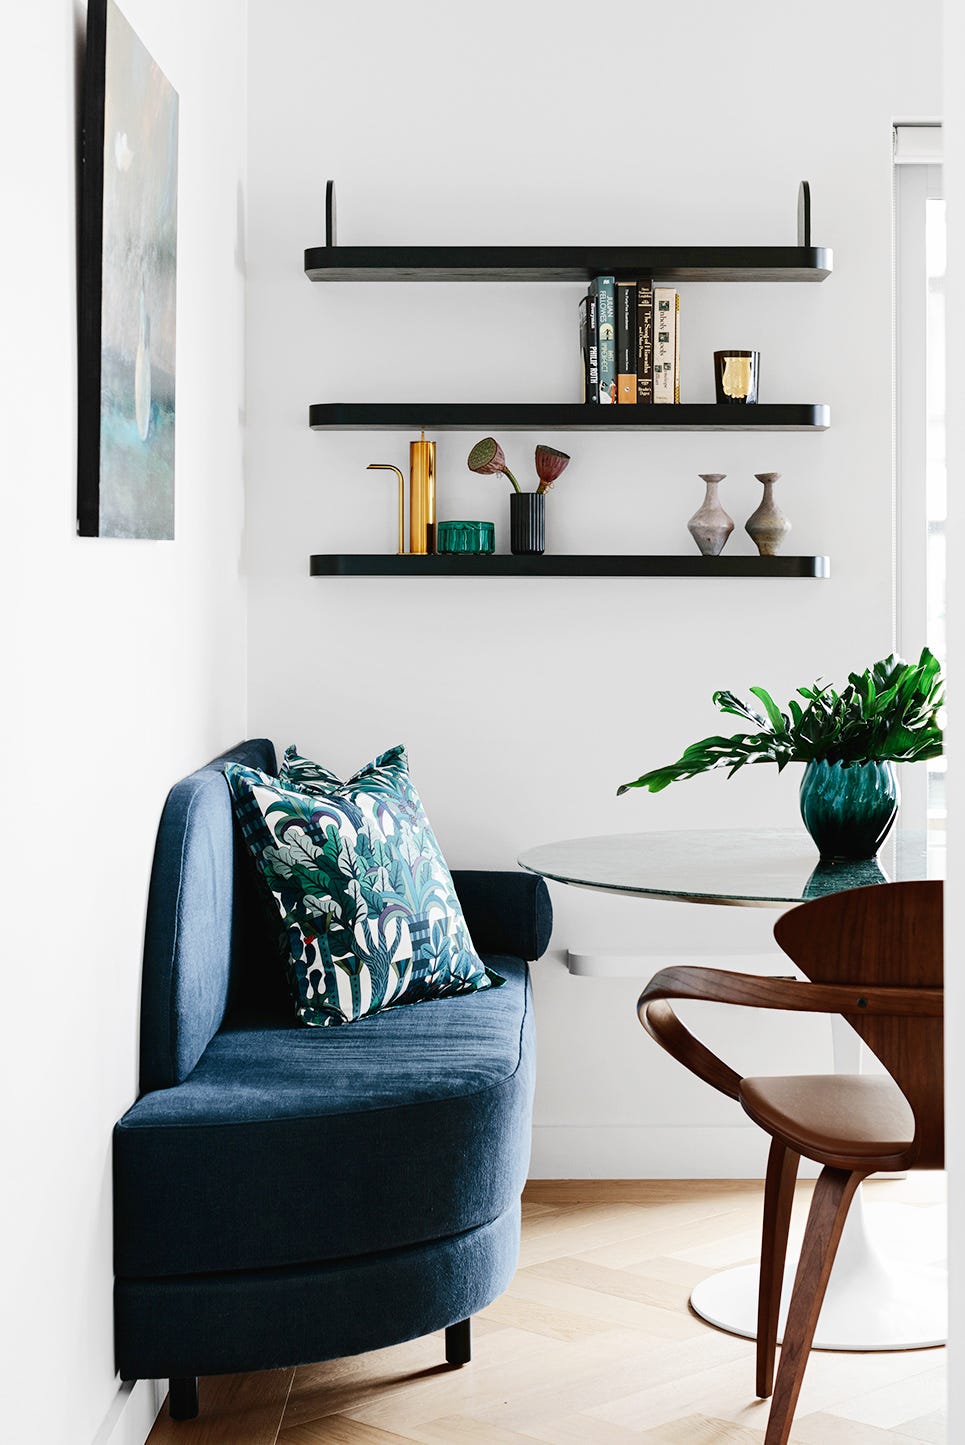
(676, 351)
(592, 349)
(604, 288)
(664, 327)
(644, 341)
(584, 349)
(626, 305)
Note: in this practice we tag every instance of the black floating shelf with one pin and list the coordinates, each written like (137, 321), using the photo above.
(563, 416)
(390, 565)
(567, 263)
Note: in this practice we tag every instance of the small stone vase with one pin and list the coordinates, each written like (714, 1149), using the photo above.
(710, 525)
(768, 526)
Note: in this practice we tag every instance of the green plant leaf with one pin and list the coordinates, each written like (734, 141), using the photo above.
(777, 719)
(889, 712)
(727, 702)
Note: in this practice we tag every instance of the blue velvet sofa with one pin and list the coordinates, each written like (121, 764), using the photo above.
(283, 1194)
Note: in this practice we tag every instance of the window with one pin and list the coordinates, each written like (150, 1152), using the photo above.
(920, 426)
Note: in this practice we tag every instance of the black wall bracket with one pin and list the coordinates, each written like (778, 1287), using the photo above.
(803, 214)
(330, 214)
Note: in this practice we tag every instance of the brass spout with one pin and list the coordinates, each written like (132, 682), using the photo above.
(388, 467)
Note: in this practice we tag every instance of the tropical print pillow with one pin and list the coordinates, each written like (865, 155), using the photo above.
(387, 776)
(363, 891)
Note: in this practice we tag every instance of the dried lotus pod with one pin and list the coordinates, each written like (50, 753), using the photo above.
(550, 464)
(487, 458)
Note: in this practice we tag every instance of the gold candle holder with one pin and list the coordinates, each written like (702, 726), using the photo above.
(388, 467)
(422, 496)
(736, 376)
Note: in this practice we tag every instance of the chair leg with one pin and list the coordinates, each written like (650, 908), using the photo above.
(183, 1398)
(782, 1165)
(833, 1194)
(459, 1343)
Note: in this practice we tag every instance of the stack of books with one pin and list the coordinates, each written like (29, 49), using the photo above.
(630, 341)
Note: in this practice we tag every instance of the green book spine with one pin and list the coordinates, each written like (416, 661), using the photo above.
(604, 288)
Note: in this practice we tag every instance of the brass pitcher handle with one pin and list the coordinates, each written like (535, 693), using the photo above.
(388, 467)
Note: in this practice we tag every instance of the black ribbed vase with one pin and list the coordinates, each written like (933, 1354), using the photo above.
(527, 523)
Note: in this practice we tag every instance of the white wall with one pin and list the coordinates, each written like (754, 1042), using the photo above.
(524, 703)
(954, 178)
(129, 670)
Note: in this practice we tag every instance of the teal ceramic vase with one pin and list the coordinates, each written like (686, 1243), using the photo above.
(849, 811)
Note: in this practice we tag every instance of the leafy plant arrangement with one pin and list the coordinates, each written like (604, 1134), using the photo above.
(888, 713)
(487, 458)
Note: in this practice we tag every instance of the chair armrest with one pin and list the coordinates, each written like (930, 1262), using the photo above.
(507, 912)
(712, 985)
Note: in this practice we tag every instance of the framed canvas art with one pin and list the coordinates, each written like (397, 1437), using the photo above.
(127, 286)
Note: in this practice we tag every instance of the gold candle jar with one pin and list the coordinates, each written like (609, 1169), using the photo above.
(422, 496)
(736, 376)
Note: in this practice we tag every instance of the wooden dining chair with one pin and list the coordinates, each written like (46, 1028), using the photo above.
(873, 955)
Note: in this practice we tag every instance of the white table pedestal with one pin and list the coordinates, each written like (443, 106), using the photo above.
(889, 1286)
(878, 1297)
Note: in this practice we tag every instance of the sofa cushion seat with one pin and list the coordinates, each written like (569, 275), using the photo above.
(288, 1145)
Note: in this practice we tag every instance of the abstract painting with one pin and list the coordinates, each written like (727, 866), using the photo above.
(127, 286)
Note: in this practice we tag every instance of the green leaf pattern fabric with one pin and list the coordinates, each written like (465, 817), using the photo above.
(363, 890)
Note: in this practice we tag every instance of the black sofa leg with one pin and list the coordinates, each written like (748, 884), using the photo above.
(183, 1398)
(459, 1343)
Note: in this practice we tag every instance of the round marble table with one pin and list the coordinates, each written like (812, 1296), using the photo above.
(888, 1291)
(767, 868)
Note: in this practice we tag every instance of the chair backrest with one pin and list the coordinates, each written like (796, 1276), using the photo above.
(888, 935)
(205, 927)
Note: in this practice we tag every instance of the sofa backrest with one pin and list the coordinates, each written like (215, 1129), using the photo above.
(204, 923)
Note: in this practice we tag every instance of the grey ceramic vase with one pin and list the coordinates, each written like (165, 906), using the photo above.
(768, 526)
(710, 525)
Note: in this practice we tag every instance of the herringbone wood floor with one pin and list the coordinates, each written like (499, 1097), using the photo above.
(592, 1344)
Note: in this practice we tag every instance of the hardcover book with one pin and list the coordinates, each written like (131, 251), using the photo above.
(592, 349)
(604, 288)
(645, 341)
(584, 348)
(664, 345)
(626, 307)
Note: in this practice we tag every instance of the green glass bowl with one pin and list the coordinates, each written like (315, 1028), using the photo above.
(454, 537)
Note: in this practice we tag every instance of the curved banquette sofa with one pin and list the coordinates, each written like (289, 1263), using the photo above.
(282, 1194)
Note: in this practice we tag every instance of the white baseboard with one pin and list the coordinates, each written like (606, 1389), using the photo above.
(603, 1151)
(132, 1414)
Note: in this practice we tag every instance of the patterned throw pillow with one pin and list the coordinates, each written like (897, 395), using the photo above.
(363, 891)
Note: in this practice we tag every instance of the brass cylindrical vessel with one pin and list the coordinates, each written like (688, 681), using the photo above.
(422, 496)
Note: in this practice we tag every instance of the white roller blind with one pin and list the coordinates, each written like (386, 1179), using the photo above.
(918, 145)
